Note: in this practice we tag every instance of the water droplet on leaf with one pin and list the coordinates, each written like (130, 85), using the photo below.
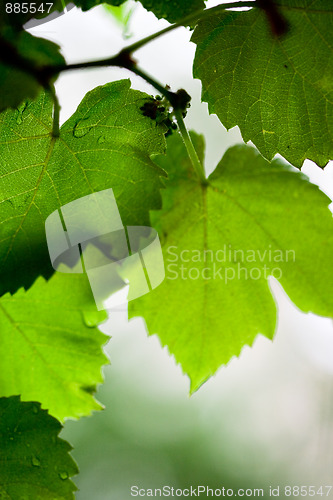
(81, 129)
(35, 461)
(91, 318)
(21, 110)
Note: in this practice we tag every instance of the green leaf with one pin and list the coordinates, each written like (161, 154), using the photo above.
(253, 219)
(279, 91)
(50, 346)
(19, 50)
(35, 462)
(107, 143)
(172, 10)
(122, 15)
(89, 4)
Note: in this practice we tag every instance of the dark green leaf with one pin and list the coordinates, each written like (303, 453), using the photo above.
(279, 91)
(35, 462)
(21, 57)
(172, 10)
(221, 242)
(89, 4)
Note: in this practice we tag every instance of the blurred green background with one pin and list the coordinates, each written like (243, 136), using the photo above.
(264, 420)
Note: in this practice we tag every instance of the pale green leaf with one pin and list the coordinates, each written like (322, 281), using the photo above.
(107, 143)
(279, 91)
(50, 348)
(221, 242)
(35, 462)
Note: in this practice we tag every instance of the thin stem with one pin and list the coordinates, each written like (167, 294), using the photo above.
(154, 83)
(56, 112)
(199, 14)
(115, 61)
(85, 65)
(196, 163)
(123, 58)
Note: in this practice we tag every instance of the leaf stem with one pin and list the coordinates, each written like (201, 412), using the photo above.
(123, 58)
(118, 61)
(195, 16)
(56, 112)
(149, 79)
(196, 163)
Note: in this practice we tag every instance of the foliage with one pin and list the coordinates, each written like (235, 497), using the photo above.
(267, 70)
(172, 10)
(50, 346)
(278, 90)
(219, 287)
(107, 142)
(35, 462)
(17, 84)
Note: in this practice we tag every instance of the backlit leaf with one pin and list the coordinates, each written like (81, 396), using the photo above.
(279, 91)
(50, 348)
(221, 242)
(107, 143)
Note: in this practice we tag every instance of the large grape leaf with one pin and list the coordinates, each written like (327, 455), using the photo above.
(50, 348)
(35, 462)
(253, 219)
(279, 91)
(19, 53)
(107, 143)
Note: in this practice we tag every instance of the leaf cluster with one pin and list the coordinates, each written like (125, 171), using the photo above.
(267, 70)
